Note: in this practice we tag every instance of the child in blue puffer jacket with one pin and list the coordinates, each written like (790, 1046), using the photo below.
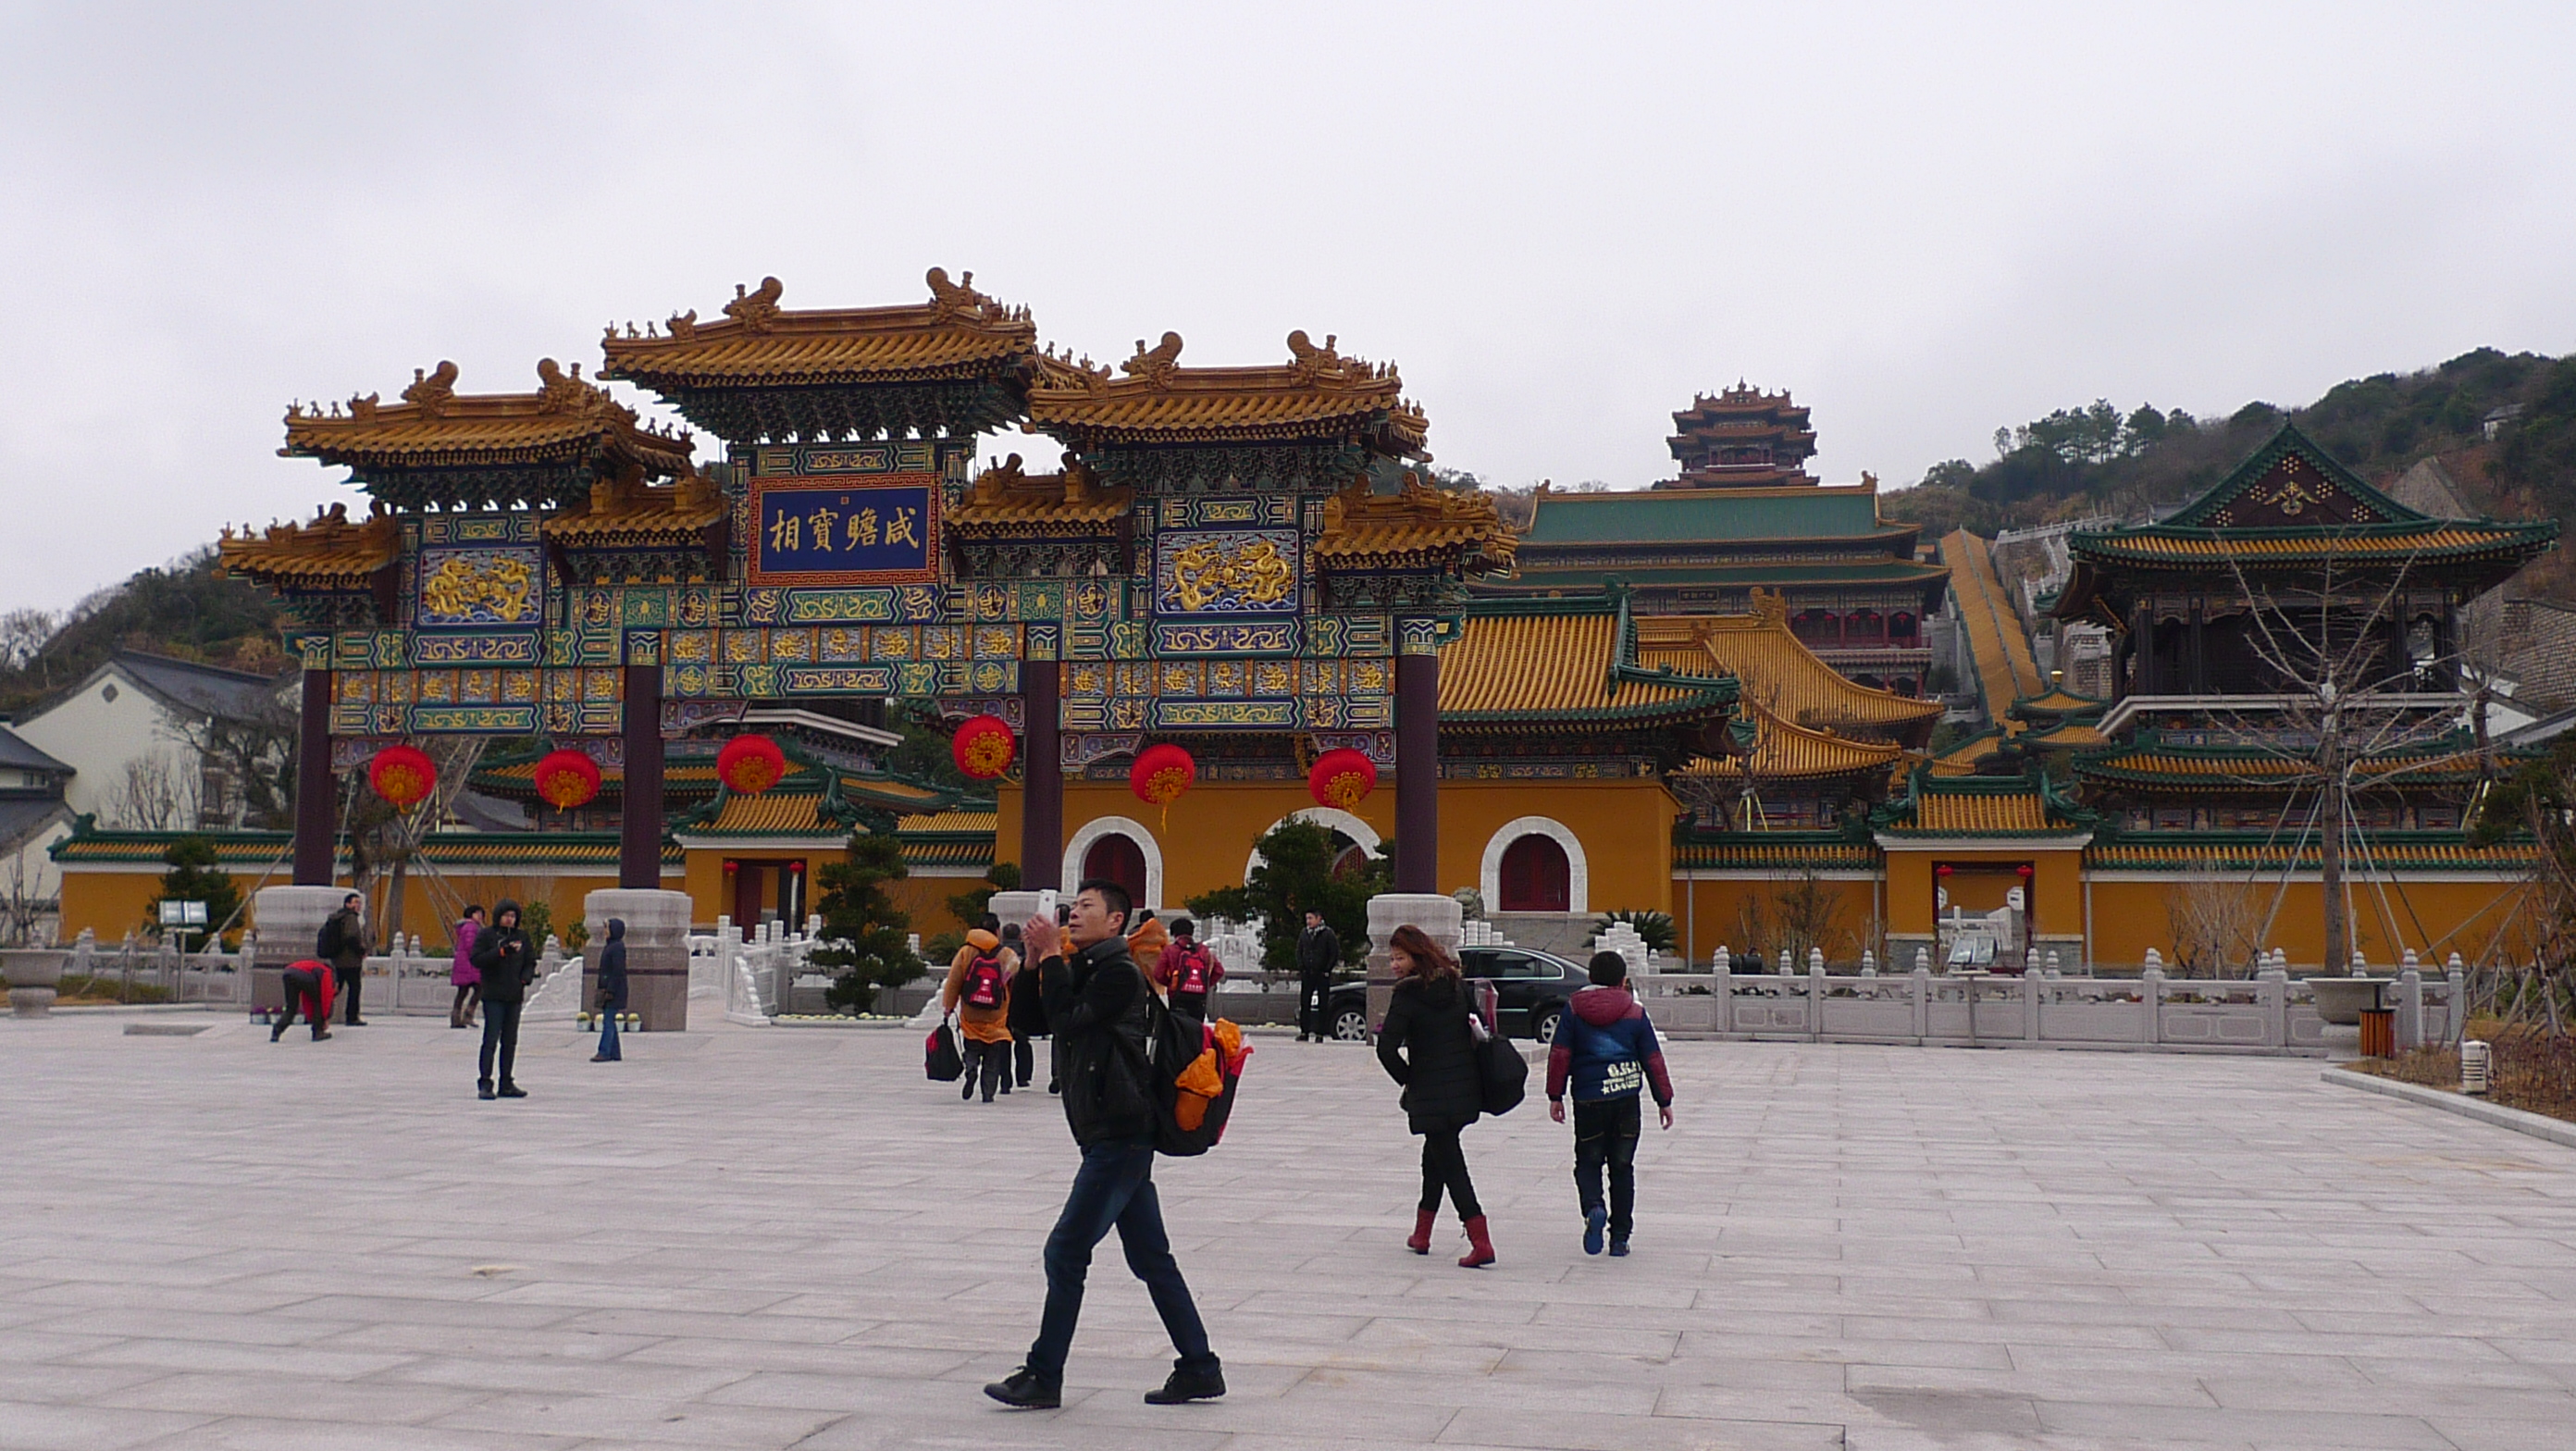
(1606, 1045)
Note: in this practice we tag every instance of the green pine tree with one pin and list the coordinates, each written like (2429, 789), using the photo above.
(195, 877)
(863, 931)
(1295, 877)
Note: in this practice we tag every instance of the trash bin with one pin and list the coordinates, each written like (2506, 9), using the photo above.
(2379, 1032)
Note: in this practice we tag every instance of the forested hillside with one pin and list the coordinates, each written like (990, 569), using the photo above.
(183, 609)
(2103, 458)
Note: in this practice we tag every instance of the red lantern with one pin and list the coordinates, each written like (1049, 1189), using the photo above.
(2023, 870)
(984, 747)
(1342, 778)
(566, 779)
(749, 765)
(1161, 773)
(1942, 870)
(402, 775)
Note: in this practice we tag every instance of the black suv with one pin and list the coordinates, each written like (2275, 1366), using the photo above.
(1530, 989)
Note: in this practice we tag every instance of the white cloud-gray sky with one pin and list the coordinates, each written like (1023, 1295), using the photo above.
(1561, 221)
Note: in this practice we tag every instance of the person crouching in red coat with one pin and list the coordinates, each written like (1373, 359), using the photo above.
(309, 982)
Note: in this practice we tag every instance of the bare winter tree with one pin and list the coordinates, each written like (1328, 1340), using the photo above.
(253, 756)
(2217, 924)
(154, 794)
(2363, 698)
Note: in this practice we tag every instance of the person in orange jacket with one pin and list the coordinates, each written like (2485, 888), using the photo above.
(978, 990)
(308, 982)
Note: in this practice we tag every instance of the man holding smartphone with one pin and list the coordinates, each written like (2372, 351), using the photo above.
(1096, 1003)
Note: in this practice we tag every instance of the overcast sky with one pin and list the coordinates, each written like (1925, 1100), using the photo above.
(1560, 221)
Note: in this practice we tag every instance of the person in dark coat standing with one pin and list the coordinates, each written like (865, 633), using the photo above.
(1027, 1017)
(1319, 951)
(344, 946)
(612, 991)
(501, 955)
(1097, 1002)
(1427, 1046)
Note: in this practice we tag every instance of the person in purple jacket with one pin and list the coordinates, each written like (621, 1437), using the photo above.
(1606, 1047)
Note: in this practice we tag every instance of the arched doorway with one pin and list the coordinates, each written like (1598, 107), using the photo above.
(1117, 858)
(1536, 876)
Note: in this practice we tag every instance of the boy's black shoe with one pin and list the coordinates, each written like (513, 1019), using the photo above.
(277, 1032)
(1596, 1222)
(321, 1035)
(1025, 1392)
(1189, 1385)
(512, 1090)
(484, 1090)
(1618, 1249)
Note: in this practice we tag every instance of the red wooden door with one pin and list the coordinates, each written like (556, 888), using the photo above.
(1536, 876)
(1117, 858)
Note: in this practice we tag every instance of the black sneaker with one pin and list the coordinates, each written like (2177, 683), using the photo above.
(484, 1090)
(1189, 1385)
(1024, 1391)
(277, 1032)
(512, 1090)
(322, 1037)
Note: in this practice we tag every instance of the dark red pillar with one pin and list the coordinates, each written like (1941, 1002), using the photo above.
(1417, 773)
(1042, 772)
(316, 792)
(639, 843)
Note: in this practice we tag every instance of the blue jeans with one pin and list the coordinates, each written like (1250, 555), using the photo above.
(1114, 1186)
(608, 1037)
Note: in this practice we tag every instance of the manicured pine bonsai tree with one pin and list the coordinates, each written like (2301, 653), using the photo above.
(863, 930)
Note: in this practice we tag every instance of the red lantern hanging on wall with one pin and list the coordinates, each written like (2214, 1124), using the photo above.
(749, 765)
(1342, 778)
(566, 779)
(403, 775)
(1161, 773)
(984, 747)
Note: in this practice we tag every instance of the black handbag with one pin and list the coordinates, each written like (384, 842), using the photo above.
(941, 1059)
(1502, 1075)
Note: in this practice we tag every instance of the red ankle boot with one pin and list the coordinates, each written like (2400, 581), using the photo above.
(1480, 1251)
(1420, 1243)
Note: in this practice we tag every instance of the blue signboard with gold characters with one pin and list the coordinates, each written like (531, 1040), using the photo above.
(845, 531)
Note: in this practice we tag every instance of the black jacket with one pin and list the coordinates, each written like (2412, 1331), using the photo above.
(1319, 951)
(1093, 1000)
(612, 968)
(501, 954)
(345, 935)
(1027, 1015)
(1426, 1047)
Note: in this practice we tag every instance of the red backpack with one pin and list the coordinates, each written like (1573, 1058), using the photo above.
(985, 985)
(1196, 972)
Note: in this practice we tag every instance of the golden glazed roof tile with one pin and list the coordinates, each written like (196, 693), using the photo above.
(435, 426)
(628, 512)
(950, 821)
(959, 333)
(1996, 644)
(330, 553)
(1416, 528)
(1528, 668)
(1006, 499)
(1785, 751)
(1318, 392)
(1778, 671)
(1983, 813)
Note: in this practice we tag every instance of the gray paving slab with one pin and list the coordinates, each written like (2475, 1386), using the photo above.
(739, 1238)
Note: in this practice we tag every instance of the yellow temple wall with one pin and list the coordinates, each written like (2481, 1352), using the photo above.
(1709, 911)
(1623, 824)
(2056, 887)
(111, 901)
(2434, 916)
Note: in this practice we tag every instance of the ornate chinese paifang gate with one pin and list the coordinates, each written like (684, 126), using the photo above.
(1253, 561)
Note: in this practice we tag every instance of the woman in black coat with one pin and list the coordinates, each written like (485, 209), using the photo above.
(1426, 1046)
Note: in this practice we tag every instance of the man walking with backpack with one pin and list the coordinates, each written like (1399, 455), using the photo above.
(1097, 1006)
(1606, 1046)
(1319, 951)
(1189, 972)
(978, 991)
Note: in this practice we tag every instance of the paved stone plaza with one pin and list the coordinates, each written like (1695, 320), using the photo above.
(787, 1238)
